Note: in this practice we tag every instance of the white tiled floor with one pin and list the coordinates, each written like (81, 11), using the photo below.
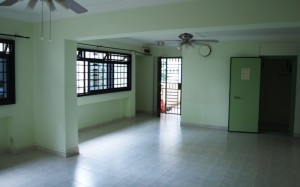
(148, 151)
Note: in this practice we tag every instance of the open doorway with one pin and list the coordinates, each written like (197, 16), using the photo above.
(169, 85)
(278, 76)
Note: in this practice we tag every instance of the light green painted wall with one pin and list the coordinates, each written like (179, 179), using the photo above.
(165, 52)
(49, 93)
(3, 134)
(145, 84)
(18, 117)
(205, 87)
(100, 112)
(71, 110)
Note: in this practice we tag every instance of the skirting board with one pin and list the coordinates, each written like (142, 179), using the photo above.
(145, 113)
(2, 150)
(19, 150)
(100, 124)
(68, 153)
(204, 126)
(105, 123)
(65, 154)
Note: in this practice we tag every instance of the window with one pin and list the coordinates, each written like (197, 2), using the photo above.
(7, 72)
(101, 72)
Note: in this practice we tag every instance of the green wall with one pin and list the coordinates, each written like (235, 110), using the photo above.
(49, 90)
(145, 84)
(16, 120)
(71, 120)
(100, 112)
(4, 131)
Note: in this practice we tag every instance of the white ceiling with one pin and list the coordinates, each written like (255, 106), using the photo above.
(269, 33)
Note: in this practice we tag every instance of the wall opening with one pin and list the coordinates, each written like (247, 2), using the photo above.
(278, 76)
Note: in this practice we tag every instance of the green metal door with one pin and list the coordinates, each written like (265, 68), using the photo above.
(244, 94)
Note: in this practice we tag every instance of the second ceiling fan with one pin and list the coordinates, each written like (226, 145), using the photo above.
(186, 39)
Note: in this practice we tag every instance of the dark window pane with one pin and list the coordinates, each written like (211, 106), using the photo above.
(102, 72)
(7, 84)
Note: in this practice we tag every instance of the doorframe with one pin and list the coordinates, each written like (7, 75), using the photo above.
(293, 59)
(159, 85)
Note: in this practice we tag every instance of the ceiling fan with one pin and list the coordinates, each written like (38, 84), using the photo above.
(186, 39)
(67, 4)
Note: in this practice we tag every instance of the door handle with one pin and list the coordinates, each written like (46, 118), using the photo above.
(237, 97)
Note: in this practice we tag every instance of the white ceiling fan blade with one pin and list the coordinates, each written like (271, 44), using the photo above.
(75, 6)
(8, 2)
(31, 4)
(171, 40)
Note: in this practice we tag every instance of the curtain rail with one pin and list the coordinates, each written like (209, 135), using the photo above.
(15, 35)
(101, 46)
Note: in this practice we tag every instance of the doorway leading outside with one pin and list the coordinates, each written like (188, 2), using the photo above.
(170, 83)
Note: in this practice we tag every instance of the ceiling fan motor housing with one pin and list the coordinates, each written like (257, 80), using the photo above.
(185, 37)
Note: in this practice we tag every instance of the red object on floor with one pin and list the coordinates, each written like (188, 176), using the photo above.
(162, 106)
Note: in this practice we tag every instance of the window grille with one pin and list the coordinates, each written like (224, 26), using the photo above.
(101, 72)
(7, 72)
